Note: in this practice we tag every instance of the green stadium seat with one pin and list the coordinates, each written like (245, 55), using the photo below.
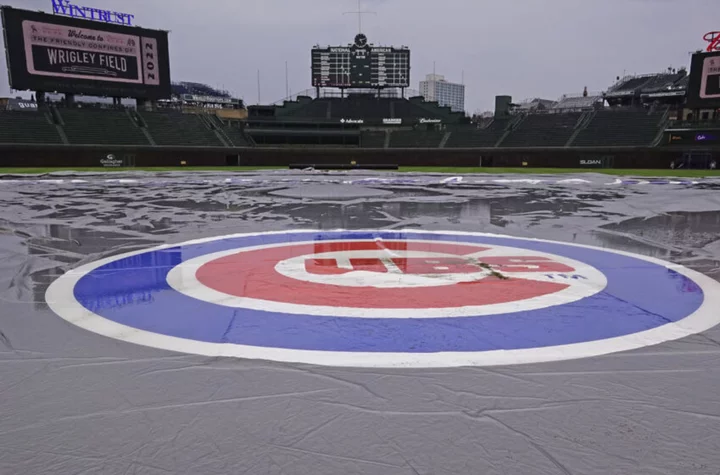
(628, 127)
(543, 130)
(473, 137)
(415, 138)
(176, 128)
(101, 126)
(21, 127)
(373, 139)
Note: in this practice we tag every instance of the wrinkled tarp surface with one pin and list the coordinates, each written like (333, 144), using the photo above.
(73, 402)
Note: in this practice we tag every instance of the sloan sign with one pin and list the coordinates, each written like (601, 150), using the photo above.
(596, 162)
(67, 8)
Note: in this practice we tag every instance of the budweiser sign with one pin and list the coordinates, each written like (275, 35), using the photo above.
(713, 38)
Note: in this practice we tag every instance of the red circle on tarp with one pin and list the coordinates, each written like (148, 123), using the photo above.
(252, 274)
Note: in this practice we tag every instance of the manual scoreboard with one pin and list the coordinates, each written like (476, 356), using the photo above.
(360, 65)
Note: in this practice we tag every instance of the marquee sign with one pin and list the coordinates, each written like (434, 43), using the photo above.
(387, 298)
(66, 8)
(22, 105)
(713, 39)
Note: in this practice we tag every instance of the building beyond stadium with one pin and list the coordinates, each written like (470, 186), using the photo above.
(436, 89)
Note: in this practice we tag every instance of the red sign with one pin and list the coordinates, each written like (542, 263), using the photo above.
(313, 275)
(713, 38)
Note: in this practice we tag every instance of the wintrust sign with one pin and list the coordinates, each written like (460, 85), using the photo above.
(66, 8)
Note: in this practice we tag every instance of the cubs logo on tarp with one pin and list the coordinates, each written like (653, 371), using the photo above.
(387, 298)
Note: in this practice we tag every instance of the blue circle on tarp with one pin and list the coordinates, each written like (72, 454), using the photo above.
(639, 296)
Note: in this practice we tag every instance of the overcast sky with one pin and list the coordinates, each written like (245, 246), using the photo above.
(523, 48)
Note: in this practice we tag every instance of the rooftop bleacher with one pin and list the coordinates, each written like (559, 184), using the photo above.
(179, 88)
(683, 82)
(645, 83)
(662, 81)
(629, 84)
(578, 102)
(535, 104)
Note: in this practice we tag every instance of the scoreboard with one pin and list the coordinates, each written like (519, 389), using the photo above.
(704, 83)
(360, 65)
(52, 53)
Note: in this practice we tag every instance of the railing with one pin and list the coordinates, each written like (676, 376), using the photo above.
(687, 124)
(581, 94)
(629, 77)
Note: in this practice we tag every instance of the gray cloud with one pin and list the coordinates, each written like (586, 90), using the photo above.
(524, 48)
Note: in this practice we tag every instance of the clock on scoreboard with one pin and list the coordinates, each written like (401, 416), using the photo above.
(360, 65)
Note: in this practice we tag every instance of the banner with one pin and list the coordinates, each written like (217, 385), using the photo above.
(603, 161)
(111, 161)
(53, 53)
(22, 105)
(77, 53)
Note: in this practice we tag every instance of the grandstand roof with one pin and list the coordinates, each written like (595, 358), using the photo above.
(578, 101)
(646, 83)
(183, 87)
(535, 104)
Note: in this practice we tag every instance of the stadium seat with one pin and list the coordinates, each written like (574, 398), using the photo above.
(625, 127)
(174, 128)
(20, 127)
(415, 139)
(198, 89)
(373, 139)
(543, 130)
(471, 136)
(235, 135)
(101, 126)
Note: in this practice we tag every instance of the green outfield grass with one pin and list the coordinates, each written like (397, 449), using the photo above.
(451, 170)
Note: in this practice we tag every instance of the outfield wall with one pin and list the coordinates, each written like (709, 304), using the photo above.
(110, 156)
